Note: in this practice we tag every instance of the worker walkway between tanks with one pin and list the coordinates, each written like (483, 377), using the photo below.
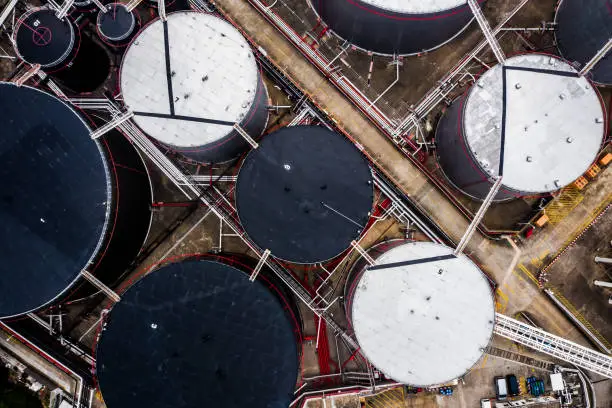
(375, 144)
(555, 346)
(496, 257)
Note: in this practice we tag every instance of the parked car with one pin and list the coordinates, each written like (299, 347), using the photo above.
(513, 385)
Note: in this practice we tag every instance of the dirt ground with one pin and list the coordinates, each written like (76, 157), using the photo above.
(574, 273)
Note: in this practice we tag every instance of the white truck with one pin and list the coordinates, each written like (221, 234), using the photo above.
(501, 388)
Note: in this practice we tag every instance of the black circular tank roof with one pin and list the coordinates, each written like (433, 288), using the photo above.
(42, 38)
(305, 193)
(196, 334)
(117, 23)
(584, 27)
(54, 198)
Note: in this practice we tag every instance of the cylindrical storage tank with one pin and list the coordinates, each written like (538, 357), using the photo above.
(535, 121)
(189, 81)
(305, 193)
(395, 27)
(60, 49)
(65, 197)
(421, 315)
(117, 26)
(583, 29)
(199, 333)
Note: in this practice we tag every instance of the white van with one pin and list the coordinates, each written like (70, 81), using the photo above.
(485, 403)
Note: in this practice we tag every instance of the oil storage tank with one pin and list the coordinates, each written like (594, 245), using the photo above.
(189, 80)
(395, 27)
(69, 203)
(57, 45)
(534, 120)
(305, 193)
(198, 333)
(583, 28)
(117, 25)
(421, 315)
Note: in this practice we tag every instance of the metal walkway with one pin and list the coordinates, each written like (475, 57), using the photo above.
(596, 58)
(213, 200)
(555, 346)
(486, 30)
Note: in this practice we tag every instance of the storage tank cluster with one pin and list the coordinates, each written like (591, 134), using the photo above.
(59, 47)
(534, 120)
(189, 80)
(69, 203)
(395, 27)
(305, 193)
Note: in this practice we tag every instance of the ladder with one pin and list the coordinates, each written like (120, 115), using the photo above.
(479, 216)
(555, 346)
(8, 9)
(486, 30)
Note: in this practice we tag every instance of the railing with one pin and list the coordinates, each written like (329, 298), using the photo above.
(63, 11)
(208, 179)
(10, 6)
(596, 58)
(404, 213)
(34, 69)
(479, 216)
(486, 30)
(210, 198)
(161, 8)
(556, 346)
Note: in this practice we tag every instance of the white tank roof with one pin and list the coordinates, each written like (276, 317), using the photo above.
(213, 73)
(415, 6)
(426, 322)
(554, 122)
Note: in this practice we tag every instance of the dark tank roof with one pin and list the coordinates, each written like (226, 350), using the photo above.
(54, 199)
(117, 23)
(42, 38)
(197, 334)
(584, 27)
(304, 193)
